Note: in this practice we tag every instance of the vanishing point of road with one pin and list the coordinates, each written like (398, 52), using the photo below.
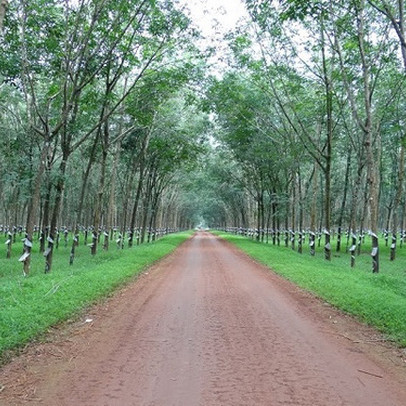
(209, 326)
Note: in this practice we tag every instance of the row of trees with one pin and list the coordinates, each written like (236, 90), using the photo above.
(311, 115)
(97, 119)
(102, 120)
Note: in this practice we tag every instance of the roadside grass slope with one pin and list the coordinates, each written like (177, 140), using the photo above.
(30, 305)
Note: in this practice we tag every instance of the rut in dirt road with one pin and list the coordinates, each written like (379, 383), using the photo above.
(209, 326)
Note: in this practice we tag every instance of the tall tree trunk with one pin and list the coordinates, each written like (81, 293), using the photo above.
(287, 213)
(293, 219)
(275, 228)
(300, 200)
(99, 203)
(141, 162)
(344, 200)
(315, 190)
(398, 196)
(321, 217)
(328, 151)
(45, 216)
(126, 198)
(363, 217)
(355, 197)
(33, 209)
(79, 211)
(112, 194)
(262, 216)
(136, 205)
(53, 232)
(372, 158)
(259, 215)
(145, 216)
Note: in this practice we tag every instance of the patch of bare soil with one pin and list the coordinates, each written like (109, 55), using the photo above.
(209, 326)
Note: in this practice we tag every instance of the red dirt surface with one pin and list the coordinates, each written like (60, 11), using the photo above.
(209, 326)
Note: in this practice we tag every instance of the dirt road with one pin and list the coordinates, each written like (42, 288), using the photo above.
(208, 326)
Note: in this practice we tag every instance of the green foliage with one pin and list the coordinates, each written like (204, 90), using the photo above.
(376, 299)
(29, 306)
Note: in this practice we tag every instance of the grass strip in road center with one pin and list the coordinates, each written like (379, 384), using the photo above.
(376, 299)
(29, 306)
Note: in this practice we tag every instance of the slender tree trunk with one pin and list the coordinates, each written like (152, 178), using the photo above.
(398, 196)
(152, 221)
(99, 203)
(144, 148)
(259, 216)
(33, 209)
(328, 150)
(275, 227)
(293, 219)
(126, 199)
(300, 235)
(112, 194)
(344, 200)
(355, 197)
(313, 208)
(287, 212)
(45, 216)
(364, 211)
(85, 180)
(9, 243)
(372, 158)
(53, 232)
(147, 204)
(262, 217)
(136, 204)
(322, 207)
(79, 211)
(145, 216)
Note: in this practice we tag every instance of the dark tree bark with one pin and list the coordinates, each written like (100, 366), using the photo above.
(372, 156)
(33, 209)
(79, 211)
(99, 196)
(344, 200)
(398, 196)
(293, 219)
(328, 149)
(53, 231)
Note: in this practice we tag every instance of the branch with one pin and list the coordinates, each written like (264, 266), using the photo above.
(118, 103)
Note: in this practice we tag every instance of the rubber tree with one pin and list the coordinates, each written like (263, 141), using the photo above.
(394, 12)
(363, 112)
(70, 45)
(243, 115)
(113, 30)
(291, 91)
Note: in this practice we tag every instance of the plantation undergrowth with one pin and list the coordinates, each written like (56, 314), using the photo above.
(376, 299)
(30, 305)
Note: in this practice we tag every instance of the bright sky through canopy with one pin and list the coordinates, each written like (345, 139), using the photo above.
(214, 17)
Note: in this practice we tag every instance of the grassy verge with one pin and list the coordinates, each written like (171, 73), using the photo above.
(29, 306)
(376, 299)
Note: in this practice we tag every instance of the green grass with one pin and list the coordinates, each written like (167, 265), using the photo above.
(376, 299)
(30, 305)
